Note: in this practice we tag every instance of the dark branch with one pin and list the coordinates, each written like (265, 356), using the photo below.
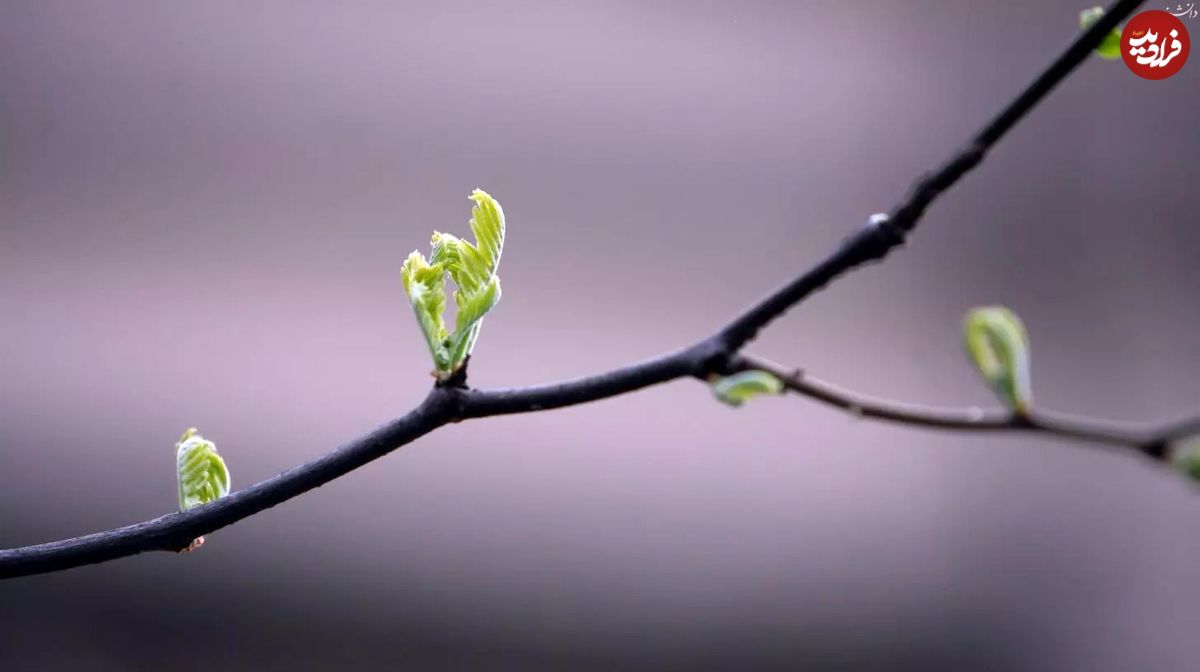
(717, 354)
(692, 361)
(175, 531)
(881, 235)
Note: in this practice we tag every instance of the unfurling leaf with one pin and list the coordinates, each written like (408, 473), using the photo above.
(1110, 46)
(203, 476)
(736, 389)
(1185, 457)
(472, 267)
(997, 343)
(426, 289)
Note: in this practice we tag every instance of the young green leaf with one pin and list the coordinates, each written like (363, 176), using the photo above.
(736, 389)
(997, 344)
(203, 476)
(1110, 46)
(472, 267)
(426, 289)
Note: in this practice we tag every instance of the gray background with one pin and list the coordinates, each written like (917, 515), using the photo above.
(204, 208)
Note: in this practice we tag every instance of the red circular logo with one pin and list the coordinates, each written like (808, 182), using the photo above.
(1155, 45)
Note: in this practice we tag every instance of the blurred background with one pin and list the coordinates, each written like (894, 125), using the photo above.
(203, 212)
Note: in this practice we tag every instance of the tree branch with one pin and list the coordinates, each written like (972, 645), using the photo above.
(714, 355)
(882, 234)
(1148, 442)
(693, 361)
(175, 531)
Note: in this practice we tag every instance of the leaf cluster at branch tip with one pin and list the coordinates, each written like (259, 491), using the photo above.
(472, 268)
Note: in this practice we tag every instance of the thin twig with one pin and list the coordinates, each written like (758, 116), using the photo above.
(1060, 425)
(449, 403)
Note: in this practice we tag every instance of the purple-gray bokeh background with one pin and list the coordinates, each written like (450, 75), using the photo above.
(204, 207)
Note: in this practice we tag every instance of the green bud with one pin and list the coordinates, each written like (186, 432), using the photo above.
(1110, 46)
(1185, 457)
(203, 476)
(736, 389)
(997, 344)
